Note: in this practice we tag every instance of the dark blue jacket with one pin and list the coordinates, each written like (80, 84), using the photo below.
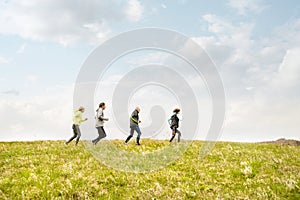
(174, 121)
(134, 118)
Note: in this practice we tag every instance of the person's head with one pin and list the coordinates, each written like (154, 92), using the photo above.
(176, 110)
(81, 109)
(138, 109)
(102, 105)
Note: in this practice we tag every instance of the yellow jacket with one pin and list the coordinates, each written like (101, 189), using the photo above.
(77, 118)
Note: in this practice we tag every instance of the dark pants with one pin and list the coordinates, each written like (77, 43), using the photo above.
(132, 129)
(77, 134)
(174, 131)
(101, 133)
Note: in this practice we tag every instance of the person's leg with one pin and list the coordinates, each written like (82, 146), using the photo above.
(74, 136)
(179, 135)
(93, 141)
(131, 134)
(173, 134)
(98, 138)
(101, 134)
(78, 134)
(137, 129)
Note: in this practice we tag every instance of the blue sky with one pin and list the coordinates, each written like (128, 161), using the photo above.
(254, 43)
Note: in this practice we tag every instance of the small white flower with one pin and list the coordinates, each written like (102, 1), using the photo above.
(243, 163)
(247, 170)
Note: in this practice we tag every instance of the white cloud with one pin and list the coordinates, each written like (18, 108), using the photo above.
(227, 32)
(261, 77)
(11, 92)
(264, 116)
(289, 70)
(134, 10)
(149, 58)
(39, 117)
(22, 48)
(269, 110)
(3, 60)
(32, 78)
(245, 7)
(231, 44)
(182, 2)
(287, 35)
(65, 22)
(216, 24)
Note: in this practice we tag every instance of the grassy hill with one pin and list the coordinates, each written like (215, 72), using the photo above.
(52, 170)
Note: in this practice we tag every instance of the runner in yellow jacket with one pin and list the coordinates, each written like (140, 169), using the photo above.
(77, 120)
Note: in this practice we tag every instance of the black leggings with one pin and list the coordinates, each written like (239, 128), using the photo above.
(77, 134)
(101, 133)
(174, 131)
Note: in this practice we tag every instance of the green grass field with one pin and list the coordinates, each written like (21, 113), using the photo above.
(52, 170)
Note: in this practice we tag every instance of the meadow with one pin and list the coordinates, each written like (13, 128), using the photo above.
(52, 170)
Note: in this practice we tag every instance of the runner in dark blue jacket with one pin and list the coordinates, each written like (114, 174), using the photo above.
(174, 124)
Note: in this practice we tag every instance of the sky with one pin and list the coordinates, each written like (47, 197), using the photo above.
(254, 44)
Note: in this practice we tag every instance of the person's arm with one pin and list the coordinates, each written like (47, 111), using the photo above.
(82, 120)
(103, 118)
(137, 116)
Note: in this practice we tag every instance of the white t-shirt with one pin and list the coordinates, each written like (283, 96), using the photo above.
(99, 116)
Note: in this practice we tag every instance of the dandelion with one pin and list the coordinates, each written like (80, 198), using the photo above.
(277, 160)
(68, 182)
(33, 176)
(243, 163)
(193, 193)
(158, 189)
(247, 170)
(177, 190)
(290, 183)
